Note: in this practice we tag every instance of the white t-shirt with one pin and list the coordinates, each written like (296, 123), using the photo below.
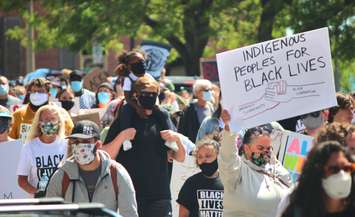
(38, 159)
(127, 84)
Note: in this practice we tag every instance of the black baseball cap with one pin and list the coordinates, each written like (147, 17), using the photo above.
(76, 75)
(85, 129)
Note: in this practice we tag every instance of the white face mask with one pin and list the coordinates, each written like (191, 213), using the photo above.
(38, 99)
(84, 153)
(337, 186)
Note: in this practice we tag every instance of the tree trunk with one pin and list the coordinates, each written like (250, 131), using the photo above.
(267, 18)
(196, 32)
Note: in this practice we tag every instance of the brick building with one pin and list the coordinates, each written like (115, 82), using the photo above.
(13, 55)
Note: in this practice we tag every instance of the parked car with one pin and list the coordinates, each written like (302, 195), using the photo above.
(183, 82)
(52, 207)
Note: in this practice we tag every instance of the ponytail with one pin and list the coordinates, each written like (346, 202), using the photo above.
(121, 70)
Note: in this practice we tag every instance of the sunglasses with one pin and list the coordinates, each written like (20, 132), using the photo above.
(313, 114)
(347, 168)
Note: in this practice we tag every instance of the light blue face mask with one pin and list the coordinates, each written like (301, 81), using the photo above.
(76, 85)
(104, 97)
(207, 96)
(4, 89)
(53, 91)
(21, 97)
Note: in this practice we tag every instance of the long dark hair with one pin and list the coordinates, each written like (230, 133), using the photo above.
(308, 198)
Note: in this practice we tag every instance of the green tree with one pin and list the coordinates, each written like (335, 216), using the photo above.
(338, 15)
(185, 24)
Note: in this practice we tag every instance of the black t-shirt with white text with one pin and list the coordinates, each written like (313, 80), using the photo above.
(202, 196)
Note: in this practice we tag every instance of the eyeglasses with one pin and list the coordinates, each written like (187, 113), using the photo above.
(347, 168)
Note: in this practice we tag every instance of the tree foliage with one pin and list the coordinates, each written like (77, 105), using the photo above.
(195, 28)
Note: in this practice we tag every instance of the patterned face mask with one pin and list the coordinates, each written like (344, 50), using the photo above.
(260, 160)
(84, 153)
(49, 128)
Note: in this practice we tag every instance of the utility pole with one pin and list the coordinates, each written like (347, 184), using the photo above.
(30, 54)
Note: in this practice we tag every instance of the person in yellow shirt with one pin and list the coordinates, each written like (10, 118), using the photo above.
(38, 95)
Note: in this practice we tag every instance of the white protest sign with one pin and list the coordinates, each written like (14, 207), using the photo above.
(9, 188)
(277, 79)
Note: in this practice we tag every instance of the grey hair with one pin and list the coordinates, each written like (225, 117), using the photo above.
(201, 83)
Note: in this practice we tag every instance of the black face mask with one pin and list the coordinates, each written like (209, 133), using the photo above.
(208, 169)
(147, 100)
(4, 124)
(138, 68)
(67, 104)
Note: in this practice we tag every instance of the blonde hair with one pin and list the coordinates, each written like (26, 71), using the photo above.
(145, 82)
(212, 139)
(35, 130)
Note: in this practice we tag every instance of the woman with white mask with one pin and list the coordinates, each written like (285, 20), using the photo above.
(46, 146)
(326, 186)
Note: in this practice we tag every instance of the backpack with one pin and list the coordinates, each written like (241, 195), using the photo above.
(66, 181)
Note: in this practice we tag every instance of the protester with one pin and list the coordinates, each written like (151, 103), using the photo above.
(216, 93)
(87, 98)
(255, 182)
(5, 124)
(198, 110)
(350, 141)
(104, 95)
(146, 158)
(326, 186)
(43, 151)
(168, 101)
(165, 81)
(118, 88)
(353, 97)
(184, 93)
(131, 66)
(333, 132)
(91, 176)
(38, 94)
(64, 83)
(211, 124)
(66, 98)
(340, 132)
(54, 88)
(114, 105)
(342, 113)
(202, 193)
(314, 121)
(20, 92)
(7, 100)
